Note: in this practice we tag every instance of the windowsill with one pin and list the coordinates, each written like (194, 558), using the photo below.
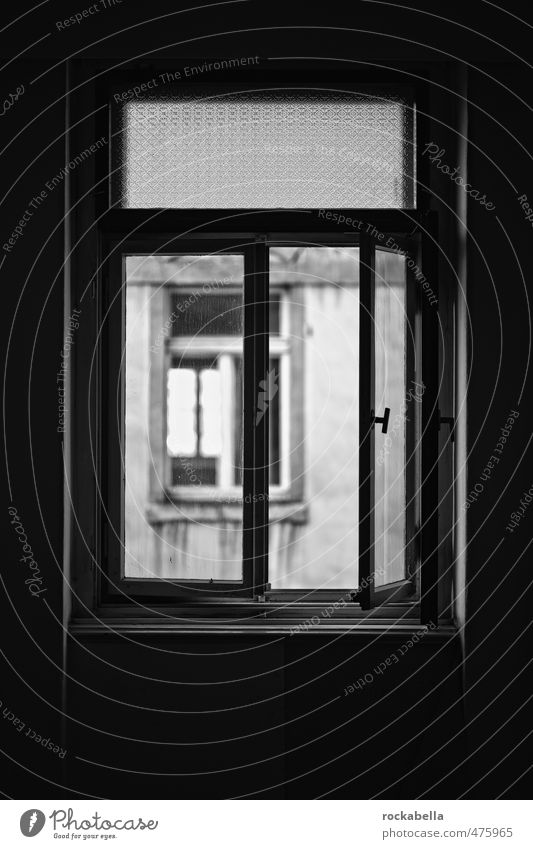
(210, 510)
(392, 632)
(390, 622)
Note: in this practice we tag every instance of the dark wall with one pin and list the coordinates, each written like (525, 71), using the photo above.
(278, 716)
(498, 675)
(298, 719)
(32, 287)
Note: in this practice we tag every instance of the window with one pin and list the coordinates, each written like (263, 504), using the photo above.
(264, 149)
(269, 372)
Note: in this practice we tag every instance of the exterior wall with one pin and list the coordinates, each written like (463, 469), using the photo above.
(323, 551)
(202, 538)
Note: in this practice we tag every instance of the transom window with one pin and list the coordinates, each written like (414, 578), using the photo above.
(195, 147)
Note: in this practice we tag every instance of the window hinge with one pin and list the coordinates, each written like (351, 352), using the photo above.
(450, 421)
(105, 544)
(418, 545)
(261, 597)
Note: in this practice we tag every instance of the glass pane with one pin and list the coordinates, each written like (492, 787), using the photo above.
(182, 436)
(194, 471)
(183, 512)
(275, 430)
(193, 414)
(318, 420)
(238, 421)
(274, 313)
(292, 148)
(390, 391)
(207, 314)
(211, 439)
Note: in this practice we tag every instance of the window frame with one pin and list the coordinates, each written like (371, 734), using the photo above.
(95, 222)
(160, 590)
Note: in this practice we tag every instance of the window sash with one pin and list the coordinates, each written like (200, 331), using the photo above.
(255, 558)
(368, 593)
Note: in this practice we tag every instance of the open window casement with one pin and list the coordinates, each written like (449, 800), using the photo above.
(398, 423)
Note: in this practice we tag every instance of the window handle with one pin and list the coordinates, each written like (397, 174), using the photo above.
(383, 420)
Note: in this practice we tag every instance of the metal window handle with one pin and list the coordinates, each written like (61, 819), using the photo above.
(384, 420)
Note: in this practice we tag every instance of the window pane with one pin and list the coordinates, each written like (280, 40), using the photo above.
(319, 433)
(183, 519)
(269, 149)
(274, 313)
(275, 434)
(182, 437)
(390, 391)
(238, 421)
(206, 314)
(194, 471)
(194, 421)
(210, 414)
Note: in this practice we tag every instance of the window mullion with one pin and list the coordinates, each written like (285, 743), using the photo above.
(227, 381)
(256, 418)
(429, 565)
(261, 424)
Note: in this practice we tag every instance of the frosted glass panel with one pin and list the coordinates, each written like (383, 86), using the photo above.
(264, 149)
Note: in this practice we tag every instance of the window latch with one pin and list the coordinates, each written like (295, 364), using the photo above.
(383, 420)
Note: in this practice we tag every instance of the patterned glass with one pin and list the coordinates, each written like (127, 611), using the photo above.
(288, 149)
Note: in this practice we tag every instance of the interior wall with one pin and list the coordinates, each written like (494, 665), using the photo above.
(312, 704)
(498, 605)
(32, 278)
